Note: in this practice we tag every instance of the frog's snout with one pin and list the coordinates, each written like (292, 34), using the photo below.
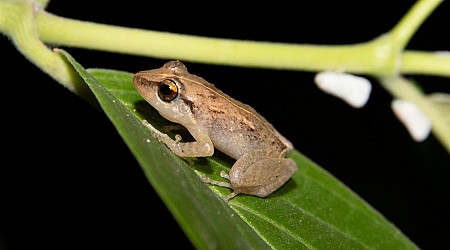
(138, 80)
(143, 86)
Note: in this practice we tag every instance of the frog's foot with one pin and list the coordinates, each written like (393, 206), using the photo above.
(177, 138)
(231, 195)
(202, 147)
(224, 175)
(155, 132)
(208, 180)
(221, 184)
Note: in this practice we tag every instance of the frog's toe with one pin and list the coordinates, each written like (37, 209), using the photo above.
(231, 195)
(223, 174)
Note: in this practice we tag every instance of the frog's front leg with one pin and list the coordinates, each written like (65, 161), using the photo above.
(201, 147)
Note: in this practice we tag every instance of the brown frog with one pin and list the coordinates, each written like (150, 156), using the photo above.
(215, 120)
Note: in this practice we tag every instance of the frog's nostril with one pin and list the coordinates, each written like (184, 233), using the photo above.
(139, 81)
(136, 79)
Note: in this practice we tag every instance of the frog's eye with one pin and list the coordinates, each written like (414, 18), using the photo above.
(168, 90)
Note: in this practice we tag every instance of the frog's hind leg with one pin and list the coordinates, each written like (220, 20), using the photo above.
(221, 184)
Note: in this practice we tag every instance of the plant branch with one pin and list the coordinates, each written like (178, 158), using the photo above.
(433, 63)
(375, 57)
(17, 19)
(403, 89)
(408, 25)
(201, 49)
(364, 58)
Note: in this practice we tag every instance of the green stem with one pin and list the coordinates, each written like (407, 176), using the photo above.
(405, 90)
(43, 3)
(374, 57)
(21, 28)
(408, 25)
(434, 63)
(17, 19)
(54, 29)
(417, 63)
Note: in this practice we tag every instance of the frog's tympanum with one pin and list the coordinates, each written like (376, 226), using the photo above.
(215, 120)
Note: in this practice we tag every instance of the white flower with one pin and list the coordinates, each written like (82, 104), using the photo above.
(417, 124)
(354, 90)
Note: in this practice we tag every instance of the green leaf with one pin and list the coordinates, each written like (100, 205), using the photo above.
(312, 210)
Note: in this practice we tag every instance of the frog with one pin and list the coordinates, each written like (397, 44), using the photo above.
(217, 121)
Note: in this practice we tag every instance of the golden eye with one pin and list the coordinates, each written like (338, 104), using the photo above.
(167, 90)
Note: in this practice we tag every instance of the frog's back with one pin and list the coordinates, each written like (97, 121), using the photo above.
(234, 127)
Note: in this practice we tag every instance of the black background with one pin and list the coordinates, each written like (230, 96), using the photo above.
(68, 180)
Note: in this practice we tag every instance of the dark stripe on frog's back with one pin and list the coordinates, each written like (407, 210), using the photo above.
(244, 107)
